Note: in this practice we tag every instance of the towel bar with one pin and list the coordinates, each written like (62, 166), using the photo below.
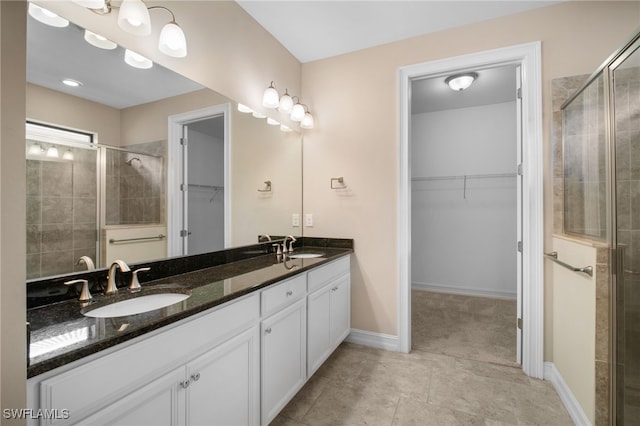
(585, 270)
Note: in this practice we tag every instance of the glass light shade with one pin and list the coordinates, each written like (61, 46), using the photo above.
(46, 16)
(133, 18)
(297, 113)
(52, 152)
(257, 114)
(172, 41)
(91, 4)
(99, 41)
(244, 108)
(272, 122)
(460, 82)
(35, 149)
(307, 121)
(136, 60)
(68, 155)
(270, 99)
(286, 103)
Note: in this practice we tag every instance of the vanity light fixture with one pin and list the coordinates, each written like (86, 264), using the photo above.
(46, 16)
(308, 121)
(99, 41)
(298, 111)
(270, 98)
(286, 102)
(459, 82)
(68, 155)
(245, 109)
(36, 149)
(71, 83)
(52, 152)
(136, 60)
(133, 17)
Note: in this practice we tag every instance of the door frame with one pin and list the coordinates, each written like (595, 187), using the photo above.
(176, 173)
(528, 56)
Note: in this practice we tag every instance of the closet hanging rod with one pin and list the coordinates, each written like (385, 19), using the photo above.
(482, 176)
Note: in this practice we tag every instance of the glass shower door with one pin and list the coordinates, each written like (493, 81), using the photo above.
(625, 84)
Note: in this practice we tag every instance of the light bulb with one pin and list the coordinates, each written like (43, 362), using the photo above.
(68, 155)
(134, 18)
(52, 152)
(270, 98)
(286, 103)
(136, 60)
(46, 16)
(172, 41)
(297, 113)
(36, 149)
(307, 121)
(98, 41)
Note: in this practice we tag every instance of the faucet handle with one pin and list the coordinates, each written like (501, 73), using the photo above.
(279, 249)
(85, 295)
(135, 284)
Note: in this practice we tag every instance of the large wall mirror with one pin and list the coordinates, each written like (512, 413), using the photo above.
(122, 184)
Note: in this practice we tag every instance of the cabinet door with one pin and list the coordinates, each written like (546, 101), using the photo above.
(340, 310)
(160, 403)
(284, 357)
(319, 342)
(225, 383)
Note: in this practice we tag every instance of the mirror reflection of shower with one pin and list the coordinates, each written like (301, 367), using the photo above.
(79, 192)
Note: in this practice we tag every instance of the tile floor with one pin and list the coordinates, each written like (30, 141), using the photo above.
(455, 380)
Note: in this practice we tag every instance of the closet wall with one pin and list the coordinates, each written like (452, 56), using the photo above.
(464, 232)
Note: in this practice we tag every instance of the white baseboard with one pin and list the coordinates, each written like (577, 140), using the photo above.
(467, 291)
(374, 340)
(570, 402)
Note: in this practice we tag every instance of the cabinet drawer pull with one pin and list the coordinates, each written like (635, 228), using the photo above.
(267, 331)
(195, 377)
(290, 293)
(184, 384)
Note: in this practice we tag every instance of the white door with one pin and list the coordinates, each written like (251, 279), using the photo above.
(519, 242)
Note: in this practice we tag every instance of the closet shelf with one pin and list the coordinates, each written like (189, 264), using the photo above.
(481, 176)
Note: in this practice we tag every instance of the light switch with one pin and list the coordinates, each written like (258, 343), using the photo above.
(308, 220)
(295, 219)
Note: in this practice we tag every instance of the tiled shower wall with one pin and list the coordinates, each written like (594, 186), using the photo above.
(61, 213)
(62, 203)
(137, 181)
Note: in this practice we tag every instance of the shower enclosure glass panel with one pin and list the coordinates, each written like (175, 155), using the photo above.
(626, 124)
(585, 159)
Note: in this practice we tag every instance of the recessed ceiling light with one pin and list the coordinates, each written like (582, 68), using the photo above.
(99, 41)
(46, 16)
(71, 82)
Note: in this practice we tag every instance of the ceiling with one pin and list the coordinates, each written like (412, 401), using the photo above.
(313, 30)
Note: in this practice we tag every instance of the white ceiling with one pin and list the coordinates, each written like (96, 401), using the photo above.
(312, 29)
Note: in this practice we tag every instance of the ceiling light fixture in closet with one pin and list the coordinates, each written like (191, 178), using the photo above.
(459, 82)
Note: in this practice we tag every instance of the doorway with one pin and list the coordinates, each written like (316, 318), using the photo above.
(465, 209)
(198, 181)
(531, 316)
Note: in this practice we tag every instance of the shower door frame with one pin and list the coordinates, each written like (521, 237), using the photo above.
(528, 56)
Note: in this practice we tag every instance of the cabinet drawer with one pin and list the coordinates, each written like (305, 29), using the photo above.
(281, 295)
(321, 275)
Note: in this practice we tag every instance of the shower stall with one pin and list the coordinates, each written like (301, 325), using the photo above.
(79, 191)
(601, 163)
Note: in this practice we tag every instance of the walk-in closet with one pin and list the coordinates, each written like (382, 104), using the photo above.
(464, 215)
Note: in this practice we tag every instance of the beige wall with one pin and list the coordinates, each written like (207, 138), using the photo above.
(53, 107)
(355, 101)
(12, 207)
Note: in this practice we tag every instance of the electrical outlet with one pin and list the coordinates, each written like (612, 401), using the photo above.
(308, 220)
(295, 219)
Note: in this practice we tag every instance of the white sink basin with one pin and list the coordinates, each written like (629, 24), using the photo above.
(305, 255)
(136, 305)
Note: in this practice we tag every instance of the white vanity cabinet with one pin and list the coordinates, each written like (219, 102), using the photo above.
(329, 311)
(284, 342)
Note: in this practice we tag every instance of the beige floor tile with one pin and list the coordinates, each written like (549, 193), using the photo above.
(415, 413)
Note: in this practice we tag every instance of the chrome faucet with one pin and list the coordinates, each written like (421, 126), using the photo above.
(264, 237)
(284, 244)
(87, 261)
(111, 277)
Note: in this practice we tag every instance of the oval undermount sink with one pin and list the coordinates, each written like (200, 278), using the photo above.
(305, 255)
(136, 305)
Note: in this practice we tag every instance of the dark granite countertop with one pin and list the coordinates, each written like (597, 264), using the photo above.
(60, 333)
